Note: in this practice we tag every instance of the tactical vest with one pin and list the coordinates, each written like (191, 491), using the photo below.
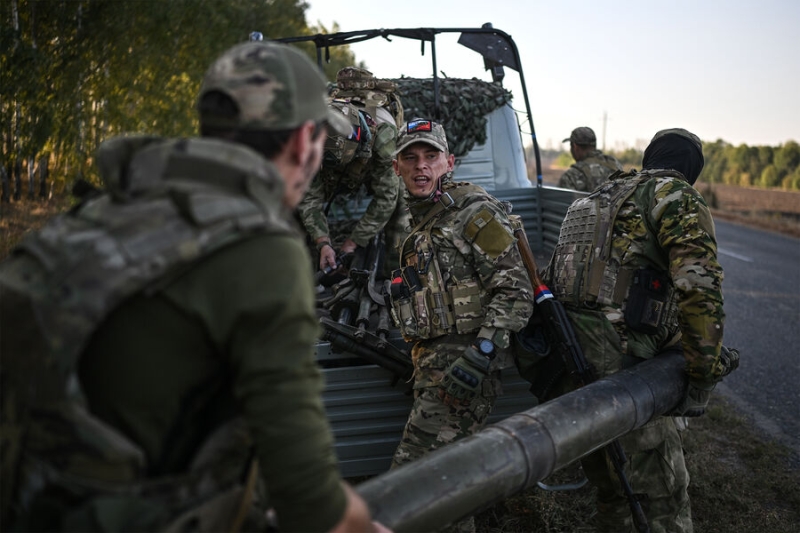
(168, 205)
(373, 93)
(583, 272)
(367, 104)
(423, 306)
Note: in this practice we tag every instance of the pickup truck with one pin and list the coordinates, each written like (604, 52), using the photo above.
(364, 360)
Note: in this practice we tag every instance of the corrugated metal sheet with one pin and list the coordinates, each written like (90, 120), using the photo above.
(368, 414)
(525, 202)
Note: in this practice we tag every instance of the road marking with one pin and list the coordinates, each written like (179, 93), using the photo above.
(735, 256)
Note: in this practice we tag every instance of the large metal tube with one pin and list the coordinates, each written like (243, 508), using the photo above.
(512, 455)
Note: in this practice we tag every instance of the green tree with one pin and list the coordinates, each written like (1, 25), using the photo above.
(787, 156)
(791, 182)
(73, 73)
(715, 161)
(769, 177)
(766, 155)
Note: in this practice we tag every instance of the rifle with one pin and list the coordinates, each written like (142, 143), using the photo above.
(354, 305)
(561, 334)
(369, 346)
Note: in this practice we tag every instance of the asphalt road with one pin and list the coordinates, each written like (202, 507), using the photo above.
(762, 307)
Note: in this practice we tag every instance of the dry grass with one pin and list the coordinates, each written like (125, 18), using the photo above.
(769, 209)
(740, 482)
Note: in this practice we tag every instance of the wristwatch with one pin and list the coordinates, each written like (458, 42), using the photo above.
(486, 348)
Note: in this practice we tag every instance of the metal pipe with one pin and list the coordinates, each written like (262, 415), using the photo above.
(512, 455)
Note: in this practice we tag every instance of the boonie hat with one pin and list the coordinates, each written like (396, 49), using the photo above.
(420, 130)
(275, 86)
(582, 135)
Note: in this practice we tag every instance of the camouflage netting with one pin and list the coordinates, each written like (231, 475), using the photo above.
(464, 105)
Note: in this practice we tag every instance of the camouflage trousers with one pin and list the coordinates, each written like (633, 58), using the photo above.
(655, 469)
(432, 424)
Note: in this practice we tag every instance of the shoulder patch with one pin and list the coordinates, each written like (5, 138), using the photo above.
(488, 234)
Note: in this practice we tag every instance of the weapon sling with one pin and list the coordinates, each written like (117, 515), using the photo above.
(560, 331)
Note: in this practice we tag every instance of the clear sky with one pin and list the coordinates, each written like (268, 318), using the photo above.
(724, 69)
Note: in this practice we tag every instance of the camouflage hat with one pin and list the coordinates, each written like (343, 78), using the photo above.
(353, 78)
(420, 130)
(582, 135)
(695, 140)
(275, 86)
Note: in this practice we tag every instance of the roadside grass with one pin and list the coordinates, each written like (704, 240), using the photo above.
(740, 482)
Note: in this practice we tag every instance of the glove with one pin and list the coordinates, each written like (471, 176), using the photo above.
(462, 379)
(695, 400)
(729, 360)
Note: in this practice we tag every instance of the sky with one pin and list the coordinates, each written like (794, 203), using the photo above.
(723, 69)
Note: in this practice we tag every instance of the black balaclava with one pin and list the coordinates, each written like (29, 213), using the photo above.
(675, 149)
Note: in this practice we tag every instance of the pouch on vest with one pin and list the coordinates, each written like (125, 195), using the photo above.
(468, 308)
(648, 301)
(399, 290)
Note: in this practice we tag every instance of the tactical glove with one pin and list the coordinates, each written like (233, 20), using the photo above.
(729, 359)
(462, 379)
(695, 400)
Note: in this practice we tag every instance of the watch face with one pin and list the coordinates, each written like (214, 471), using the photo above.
(486, 346)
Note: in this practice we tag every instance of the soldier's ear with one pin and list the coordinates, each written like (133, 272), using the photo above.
(395, 166)
(301, 143)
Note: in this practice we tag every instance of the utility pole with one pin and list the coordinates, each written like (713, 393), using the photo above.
(605, 120)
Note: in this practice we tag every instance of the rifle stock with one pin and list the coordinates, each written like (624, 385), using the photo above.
(561, 333)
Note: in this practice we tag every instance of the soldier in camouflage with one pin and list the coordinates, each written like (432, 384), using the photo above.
(636, 269)
(461, 291)
(357, 163)
(592, 167)
(158, 339)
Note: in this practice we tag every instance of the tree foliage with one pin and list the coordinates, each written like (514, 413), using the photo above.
(75, 72)
(752, 166)
(749, 166)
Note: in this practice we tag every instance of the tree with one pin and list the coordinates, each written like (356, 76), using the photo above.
(787, 156)
(75, 72)
(769, 177)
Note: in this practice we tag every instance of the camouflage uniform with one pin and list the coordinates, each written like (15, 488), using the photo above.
(162, 328)
(368, 171)
(588, 173)
(501, 304)
(657, 221)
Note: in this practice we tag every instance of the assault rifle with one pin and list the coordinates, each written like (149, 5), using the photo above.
(359, 321)
(561, 335)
